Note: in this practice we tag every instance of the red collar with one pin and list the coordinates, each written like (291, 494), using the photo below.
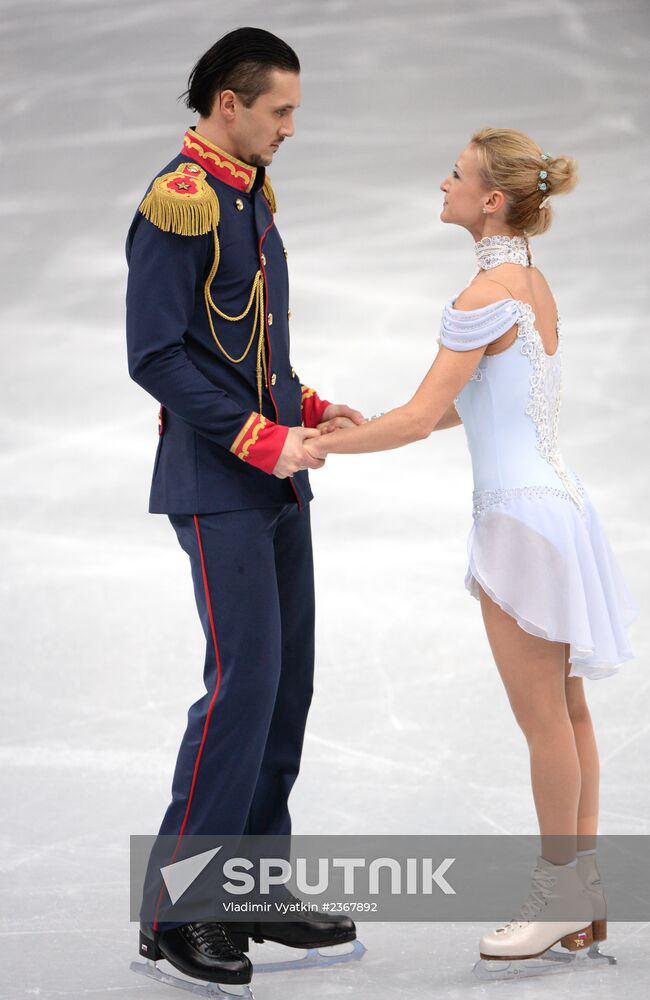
(220, 164)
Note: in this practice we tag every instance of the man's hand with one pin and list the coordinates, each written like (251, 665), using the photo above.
(293, 456)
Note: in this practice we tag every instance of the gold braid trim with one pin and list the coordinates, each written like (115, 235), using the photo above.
(253, 440)
(182, 203)
(269, 194)
(256, 299)
(227, 163)
(243, 432)
(257, 422)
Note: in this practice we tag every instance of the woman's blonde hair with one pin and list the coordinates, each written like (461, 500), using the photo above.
(510, 162)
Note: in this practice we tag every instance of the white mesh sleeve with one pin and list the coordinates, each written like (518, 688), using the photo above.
(466, 329)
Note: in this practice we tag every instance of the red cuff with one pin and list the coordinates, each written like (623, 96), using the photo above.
(313, 407)
(260, 442)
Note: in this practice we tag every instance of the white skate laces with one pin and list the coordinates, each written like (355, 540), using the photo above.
(541, 887)
(558, 911)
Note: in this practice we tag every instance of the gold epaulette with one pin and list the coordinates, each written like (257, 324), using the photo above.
(182, 202)
(269, 194)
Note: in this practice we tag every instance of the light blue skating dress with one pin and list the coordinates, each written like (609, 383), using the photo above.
(536, 546)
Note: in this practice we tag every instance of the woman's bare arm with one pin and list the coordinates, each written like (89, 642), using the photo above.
(449, 419)
(431, 408)
(413, 421)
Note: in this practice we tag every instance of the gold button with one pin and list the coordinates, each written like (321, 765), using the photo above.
(289, 314)
(286, 252)
(264, 260)
(293, 373)
(270, 319)
(239, 205)
(274, 378)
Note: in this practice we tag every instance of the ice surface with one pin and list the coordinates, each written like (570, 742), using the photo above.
(101, 646)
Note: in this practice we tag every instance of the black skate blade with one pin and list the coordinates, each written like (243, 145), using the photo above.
(550, 964)
(197, 989)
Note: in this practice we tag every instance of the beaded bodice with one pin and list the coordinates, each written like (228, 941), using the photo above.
(511, 405)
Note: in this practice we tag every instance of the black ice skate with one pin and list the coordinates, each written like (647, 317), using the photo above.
(311, 931)
(202, 950)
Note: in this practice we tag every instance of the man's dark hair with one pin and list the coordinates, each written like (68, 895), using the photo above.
(241, 61)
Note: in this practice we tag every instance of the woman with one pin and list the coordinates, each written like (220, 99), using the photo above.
(553, 601)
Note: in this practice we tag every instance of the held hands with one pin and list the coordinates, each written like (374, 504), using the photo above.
(314, 449)
(294, 455)
(301, 450)
(338, 415)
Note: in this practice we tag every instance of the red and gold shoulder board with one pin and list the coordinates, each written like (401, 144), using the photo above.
(182, 202)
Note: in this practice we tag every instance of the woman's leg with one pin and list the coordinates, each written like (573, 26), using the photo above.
(533, 672)
(588, 756)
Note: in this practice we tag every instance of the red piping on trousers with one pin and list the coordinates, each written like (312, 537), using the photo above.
(207, 718)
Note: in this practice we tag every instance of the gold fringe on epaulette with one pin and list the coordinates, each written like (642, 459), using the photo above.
(269, 194)
(181, 213)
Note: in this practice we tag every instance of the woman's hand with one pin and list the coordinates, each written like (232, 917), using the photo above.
(315, 448)
(336, 423)
(342, 410)
(414, 421)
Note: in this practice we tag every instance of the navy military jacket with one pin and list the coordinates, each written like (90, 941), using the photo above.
(208, 335)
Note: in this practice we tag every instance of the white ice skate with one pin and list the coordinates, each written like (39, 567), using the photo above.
(589, 875)
(559, 910)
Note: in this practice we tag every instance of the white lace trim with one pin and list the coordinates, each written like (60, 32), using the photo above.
(545, 392)
(484, 500)
(494, 250)
(545, 395)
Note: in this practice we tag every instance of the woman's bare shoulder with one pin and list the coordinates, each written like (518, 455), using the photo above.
(540, 280)
(481, 292)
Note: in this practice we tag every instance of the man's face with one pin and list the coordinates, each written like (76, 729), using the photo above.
(258, 131)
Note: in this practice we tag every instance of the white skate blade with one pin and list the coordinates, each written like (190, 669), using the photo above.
(151, 970)
(549, 964)
(313, 958)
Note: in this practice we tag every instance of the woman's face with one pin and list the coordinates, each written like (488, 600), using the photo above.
(464, 192)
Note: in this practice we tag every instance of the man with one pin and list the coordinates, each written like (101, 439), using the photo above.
(208, 336)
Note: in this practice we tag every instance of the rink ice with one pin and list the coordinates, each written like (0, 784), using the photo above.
(410, 730)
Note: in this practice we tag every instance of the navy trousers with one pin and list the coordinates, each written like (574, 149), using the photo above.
(240, 754)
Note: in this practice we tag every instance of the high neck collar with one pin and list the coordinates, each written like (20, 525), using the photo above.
(494, 250)
(220, 164)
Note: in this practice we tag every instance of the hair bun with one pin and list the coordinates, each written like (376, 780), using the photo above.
(511, 162)
(562, 174)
